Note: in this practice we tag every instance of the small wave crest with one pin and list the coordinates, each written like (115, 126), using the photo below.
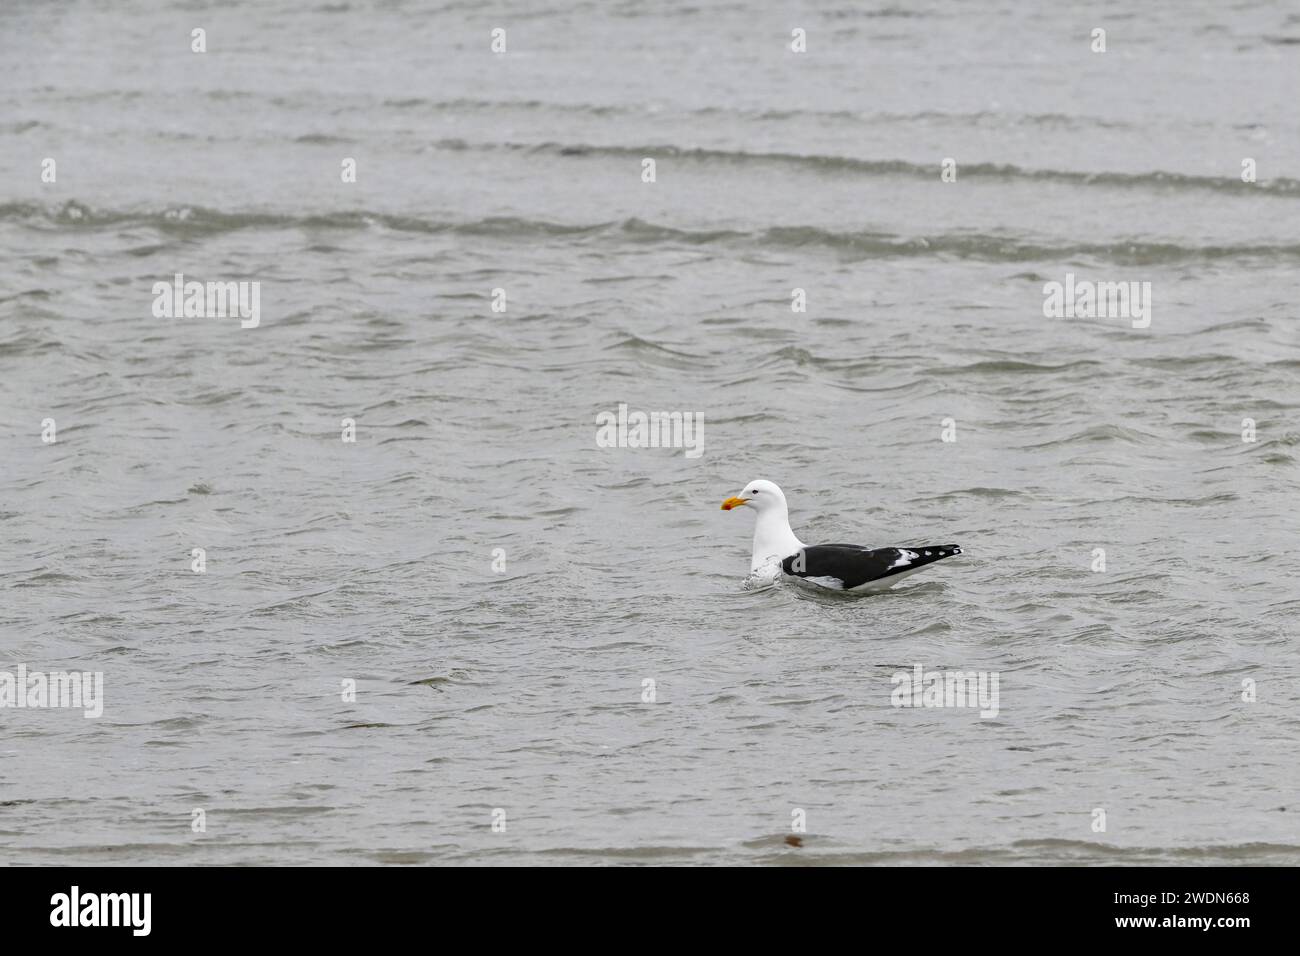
(854, 245)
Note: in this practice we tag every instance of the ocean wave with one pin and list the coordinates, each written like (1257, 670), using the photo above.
(185, 221)
(1001, 172)
(996, 119)
(363, 103)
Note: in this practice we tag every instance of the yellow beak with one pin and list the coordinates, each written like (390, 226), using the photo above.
(733, 503)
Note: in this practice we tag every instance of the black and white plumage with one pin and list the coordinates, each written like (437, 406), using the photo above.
(838, 567)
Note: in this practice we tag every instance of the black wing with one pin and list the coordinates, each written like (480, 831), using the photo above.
(853, 566)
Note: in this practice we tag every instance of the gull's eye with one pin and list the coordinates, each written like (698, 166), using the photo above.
(756, 491)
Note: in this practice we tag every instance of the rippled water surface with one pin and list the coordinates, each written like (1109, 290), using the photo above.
(520, 688)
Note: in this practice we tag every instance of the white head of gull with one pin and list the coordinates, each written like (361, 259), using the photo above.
(773, 539)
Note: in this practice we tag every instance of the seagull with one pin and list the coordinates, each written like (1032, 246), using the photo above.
(837, 567)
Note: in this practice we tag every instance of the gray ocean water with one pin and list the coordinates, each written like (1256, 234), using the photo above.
(500, 588)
